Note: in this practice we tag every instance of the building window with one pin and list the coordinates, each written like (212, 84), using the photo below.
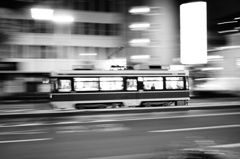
(92, 28)
(97, 5)
(96, 29)
(27, 26)
(43, 27)
(82, 5)
(17, 51)
(48, 52)
(35, 52)
(78, 28)
(101, 28)
(5, 51)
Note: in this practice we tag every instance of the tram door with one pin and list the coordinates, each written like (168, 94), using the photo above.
(132, 91)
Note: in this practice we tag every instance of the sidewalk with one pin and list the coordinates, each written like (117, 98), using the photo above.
(25, 108)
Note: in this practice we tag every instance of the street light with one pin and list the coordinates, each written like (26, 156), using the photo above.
(139, 10)
(63, 18)
(42, 13)
(139, 26)
(138, 57)
(48, 14)
(139, 42)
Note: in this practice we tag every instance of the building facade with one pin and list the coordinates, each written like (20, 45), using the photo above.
(99, 29)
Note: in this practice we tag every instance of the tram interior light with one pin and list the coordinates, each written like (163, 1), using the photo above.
(177, 67)
(193, 33)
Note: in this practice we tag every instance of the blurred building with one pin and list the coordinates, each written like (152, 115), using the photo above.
(222, 72)
(226, 54)
(99, 29)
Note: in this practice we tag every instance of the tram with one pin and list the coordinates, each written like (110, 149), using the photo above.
(91, 89)
(24, 87)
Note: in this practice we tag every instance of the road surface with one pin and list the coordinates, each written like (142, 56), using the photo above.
(119, 136)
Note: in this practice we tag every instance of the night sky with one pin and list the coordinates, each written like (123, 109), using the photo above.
(219, 9)
(216, 8)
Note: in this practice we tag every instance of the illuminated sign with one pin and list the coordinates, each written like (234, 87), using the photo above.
(193, 29)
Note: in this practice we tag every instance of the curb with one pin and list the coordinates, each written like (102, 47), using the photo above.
(57, 113)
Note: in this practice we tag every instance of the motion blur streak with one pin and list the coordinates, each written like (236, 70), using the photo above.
(198, 128)
(27, 140)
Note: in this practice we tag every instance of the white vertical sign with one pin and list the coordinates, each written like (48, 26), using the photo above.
(193, 32)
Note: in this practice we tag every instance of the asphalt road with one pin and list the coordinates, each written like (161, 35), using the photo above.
(28, 108)
(119, 136)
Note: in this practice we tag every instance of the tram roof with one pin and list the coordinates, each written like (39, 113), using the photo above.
(121, 72)
(23, 72)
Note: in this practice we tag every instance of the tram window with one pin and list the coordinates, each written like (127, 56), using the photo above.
(86, 84)
(64, 85)
(44, 85)
(174, 83)
(187, 83)
(131, 84)
(111, 83)
(153, 83)
(54, 84)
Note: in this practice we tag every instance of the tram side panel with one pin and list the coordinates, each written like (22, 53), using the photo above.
(134, 92)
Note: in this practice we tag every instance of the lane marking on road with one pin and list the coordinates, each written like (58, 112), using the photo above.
(197, 128)
(26, 132)
(132, 156)
(27, 140)
(21, 125)
(66, 122)
(16, 110)
(226, 145)
(93, 128)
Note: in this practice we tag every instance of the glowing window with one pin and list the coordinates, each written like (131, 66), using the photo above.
(86, 84)
(111, 83)
(64, 85)
(187, 83)
(152, 83)
(174, 83)
(131, 84)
